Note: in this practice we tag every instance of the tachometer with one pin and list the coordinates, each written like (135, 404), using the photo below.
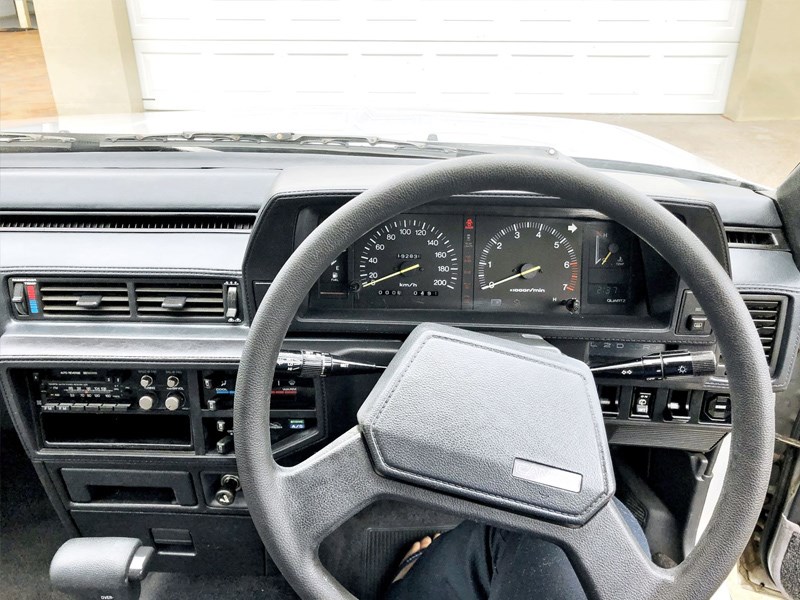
(409, 262)
(528, 265)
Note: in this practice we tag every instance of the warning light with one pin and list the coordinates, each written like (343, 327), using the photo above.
(469, 224)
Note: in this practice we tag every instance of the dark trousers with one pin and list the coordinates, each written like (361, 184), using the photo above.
(479, 562)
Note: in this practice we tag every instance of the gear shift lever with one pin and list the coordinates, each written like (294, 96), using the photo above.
(107, 568)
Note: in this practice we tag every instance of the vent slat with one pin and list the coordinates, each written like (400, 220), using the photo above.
(66, 307)
(128, 221)
(158, 309)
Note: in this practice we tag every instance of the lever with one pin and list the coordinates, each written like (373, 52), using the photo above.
(662, 365)
(109, 567)
(308, 363)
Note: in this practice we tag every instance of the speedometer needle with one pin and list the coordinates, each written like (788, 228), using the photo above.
(395, 274)
(514, 276)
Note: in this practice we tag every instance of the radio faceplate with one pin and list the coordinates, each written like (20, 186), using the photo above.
(110, 390)
(162, 408)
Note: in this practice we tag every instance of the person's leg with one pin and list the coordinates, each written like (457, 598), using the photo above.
(531, 567)
(478, 562)
(458, 565)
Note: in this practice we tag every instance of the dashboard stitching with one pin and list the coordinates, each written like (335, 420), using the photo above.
(385, 402)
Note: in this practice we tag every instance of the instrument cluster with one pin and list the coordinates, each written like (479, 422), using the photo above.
(488, 263)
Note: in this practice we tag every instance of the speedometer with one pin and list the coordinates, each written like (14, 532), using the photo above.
(410, 262)
(528, 265)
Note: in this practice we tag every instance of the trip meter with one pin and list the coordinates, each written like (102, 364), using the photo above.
(528, 265)
(410, 262)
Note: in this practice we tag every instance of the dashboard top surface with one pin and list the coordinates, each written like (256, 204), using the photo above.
(236, 181)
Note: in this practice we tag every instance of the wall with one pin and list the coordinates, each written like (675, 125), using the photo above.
(89, 54)
(766, 79)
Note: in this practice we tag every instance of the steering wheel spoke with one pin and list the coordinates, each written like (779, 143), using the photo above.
(329, 487)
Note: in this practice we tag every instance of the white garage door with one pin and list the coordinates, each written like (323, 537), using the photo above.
(602, 56)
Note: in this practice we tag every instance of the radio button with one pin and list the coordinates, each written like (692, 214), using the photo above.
(173, 402)
(147, 402)
(146, 381)
(173, 381)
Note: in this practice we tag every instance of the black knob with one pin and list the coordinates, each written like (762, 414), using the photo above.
(573, 305)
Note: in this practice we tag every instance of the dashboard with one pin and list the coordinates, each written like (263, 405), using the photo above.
(126, 299)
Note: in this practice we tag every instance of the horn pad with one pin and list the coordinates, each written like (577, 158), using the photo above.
(500, 422)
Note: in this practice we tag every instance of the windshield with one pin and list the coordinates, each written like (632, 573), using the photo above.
(625, 83)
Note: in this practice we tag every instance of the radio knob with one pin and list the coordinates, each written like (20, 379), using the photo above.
(146, 381)
(173, 402)
(147, 402)
(173, 381)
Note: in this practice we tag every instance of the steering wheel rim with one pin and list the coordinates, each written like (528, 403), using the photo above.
(295, 508)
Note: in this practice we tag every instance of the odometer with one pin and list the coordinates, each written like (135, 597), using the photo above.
(527, 265)
(409, 262)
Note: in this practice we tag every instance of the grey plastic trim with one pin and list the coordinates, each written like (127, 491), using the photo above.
(547, 475)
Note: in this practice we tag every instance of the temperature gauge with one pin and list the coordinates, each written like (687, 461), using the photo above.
(609, 271)
(611, 249)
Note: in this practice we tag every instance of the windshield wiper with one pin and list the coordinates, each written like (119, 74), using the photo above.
(35, 141)
(286, 142)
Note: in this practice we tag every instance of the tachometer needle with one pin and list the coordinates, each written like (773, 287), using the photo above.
(395, 274)
(491, 284)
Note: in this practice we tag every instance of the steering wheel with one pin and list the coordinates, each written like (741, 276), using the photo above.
(531, 457)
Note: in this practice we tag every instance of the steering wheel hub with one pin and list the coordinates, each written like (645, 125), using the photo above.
(513, 426)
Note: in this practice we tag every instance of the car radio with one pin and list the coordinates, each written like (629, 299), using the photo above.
(162, 408)
(106, 390)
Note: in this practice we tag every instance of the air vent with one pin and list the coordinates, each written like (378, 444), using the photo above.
(741, 237)
(167, 300)
(37, 221)
(767, 313)
(77, 300)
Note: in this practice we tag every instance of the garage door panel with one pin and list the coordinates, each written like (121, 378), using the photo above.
(445, 20)
(504, 77)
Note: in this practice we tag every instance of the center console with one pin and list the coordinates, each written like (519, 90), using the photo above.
(156, 408)
(147, 451)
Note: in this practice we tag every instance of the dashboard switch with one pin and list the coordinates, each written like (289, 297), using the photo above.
(642, 403)
(698, 324)
(18, 298)
(146, 381)
(232, 302)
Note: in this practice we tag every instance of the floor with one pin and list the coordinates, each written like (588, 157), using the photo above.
(24, 87)
(762, 151)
